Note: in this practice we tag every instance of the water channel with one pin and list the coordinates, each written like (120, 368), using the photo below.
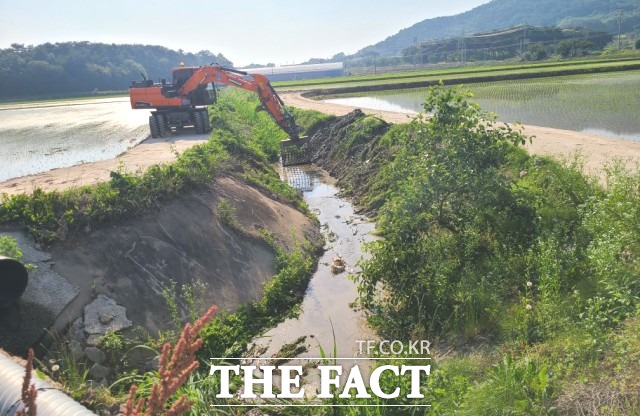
(327, 318)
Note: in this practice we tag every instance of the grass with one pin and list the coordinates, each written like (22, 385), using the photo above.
(53, 215)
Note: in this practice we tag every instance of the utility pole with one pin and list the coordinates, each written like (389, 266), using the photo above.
(524, 38)
(462, 49)
(619, 24)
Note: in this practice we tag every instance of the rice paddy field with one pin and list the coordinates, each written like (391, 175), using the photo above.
(605, 104)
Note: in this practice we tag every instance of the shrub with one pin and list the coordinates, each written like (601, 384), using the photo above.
(450, 224)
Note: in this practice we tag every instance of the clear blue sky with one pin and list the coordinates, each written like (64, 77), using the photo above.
(278, 31)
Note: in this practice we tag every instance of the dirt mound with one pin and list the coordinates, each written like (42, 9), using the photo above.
(348, 148)
(184, 241)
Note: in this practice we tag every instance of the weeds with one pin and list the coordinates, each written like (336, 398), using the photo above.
(176, 365)
(227, 212)
(29, 392)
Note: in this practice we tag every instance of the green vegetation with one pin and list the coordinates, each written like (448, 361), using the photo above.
(9, 247)
(72, 68)
(590, 14)
(52, 215)
(524, 268)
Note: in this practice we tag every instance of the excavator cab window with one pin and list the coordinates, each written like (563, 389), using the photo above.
(210, 92)
(181, 75)
(203, 95)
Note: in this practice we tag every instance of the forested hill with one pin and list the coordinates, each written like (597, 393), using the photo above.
(81, 67)
(601, 15)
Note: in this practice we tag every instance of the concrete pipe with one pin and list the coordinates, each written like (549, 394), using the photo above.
(13, 280)
(49, 400)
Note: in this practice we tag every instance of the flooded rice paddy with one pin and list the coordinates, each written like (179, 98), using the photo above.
(39, 137)
(604, 104)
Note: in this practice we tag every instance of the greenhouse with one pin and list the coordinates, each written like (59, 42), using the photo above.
(295, 72)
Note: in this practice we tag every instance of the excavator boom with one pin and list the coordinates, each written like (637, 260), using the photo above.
(176, 104)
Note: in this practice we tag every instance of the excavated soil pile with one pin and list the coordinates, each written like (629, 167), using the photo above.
(348, 148)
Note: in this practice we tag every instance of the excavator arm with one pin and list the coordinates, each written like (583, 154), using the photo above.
(251, 82)
(177, 104)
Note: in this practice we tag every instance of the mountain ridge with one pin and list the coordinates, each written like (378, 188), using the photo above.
(500, 14)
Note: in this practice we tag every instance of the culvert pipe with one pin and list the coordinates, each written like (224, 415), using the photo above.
(13, 281)
(49, 400)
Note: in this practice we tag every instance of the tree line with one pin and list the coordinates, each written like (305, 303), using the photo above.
(70, 68)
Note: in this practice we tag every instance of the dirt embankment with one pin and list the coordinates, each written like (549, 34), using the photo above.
(184, 240)
(351, 156)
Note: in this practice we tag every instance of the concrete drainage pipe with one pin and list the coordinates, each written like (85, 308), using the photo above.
(13, 281)
(49, 401)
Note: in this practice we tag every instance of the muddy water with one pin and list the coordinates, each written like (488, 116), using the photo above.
(326, 316)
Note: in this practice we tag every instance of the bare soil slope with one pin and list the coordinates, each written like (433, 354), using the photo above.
(184, 241)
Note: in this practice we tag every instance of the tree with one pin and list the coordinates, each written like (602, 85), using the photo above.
(81, 67)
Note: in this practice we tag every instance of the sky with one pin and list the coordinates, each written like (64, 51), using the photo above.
(282, 32)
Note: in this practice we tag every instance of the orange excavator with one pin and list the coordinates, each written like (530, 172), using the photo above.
(182, 103)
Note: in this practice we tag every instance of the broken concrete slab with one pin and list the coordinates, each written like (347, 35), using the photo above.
(104, 315)
(96, 355)
(99, 372)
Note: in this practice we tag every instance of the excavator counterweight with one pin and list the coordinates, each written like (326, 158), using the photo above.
(182, 103)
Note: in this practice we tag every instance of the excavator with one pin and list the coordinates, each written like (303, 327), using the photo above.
(182, 103)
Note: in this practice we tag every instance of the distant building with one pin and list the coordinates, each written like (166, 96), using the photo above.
(296, 72)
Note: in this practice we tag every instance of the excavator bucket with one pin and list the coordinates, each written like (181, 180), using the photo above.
(295, 151)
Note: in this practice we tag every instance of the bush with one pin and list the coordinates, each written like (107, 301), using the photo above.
(450, 223)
